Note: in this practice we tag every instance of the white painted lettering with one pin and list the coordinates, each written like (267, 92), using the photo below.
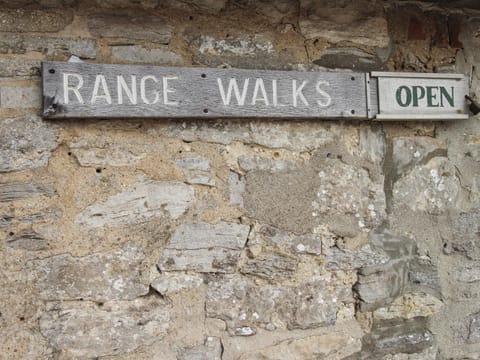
(143, 88)
(130, 91)
(167, 90)
(297, 93)
(100, 79)
(75, 88)
(327, 99)
(275, 101)
(259, 85)
(233, 86)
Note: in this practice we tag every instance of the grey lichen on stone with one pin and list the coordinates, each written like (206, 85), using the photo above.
(88, 330)
(242, 303)
(25, 143)
(141, 202)
(205, 247)
(112, 275)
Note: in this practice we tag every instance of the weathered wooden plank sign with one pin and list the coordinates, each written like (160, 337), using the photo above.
(81, 90)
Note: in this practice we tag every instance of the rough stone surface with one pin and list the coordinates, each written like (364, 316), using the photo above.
(145, 27)
(21, 20)
(16, 191)
(270, 266)
(30, 241)
(87, 330)
(141, 55)
(241, 303)
(238, 239)
(19, 68)
(143, 201)
(409, 306)
(52, 47)
(25, 143)
(114, 275)
(359, 22)
(204, 247)
(20, 98)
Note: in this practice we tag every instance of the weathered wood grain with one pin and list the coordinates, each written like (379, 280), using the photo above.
(175, 92)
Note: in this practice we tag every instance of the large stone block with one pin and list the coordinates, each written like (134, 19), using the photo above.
(141, 202)
(205, 247)
(50, 46)
(246, 306)
(113, 275)
(91, 331)
(432, 187)
(21, 20)
(358, 22)
(25, 143)
(271, 266)
(20, 97)
(142, 27)
(19, 68)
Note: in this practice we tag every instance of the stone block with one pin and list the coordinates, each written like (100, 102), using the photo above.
(474, 328)
(50, 46)
(337, 259)
(205, 247)
(236, 186)
(409, 152)
(248, 163)
(17, 191)
(115, 328)
(299, 244)
(270, 266)
(20, 97)
(140, 27)
(25, 143)
(210, 350)
(19, 68)
(409, 306)
(194, 163)
(349, 58)
(294, 136)
(138, 54)
(113, 275)
(462, 234)
(172, 282)
(241, 303)
(139, 203)
(200, 179)
(432, 187)
(110, 155)
(359, 22)
(197, 6)
(30, 241)
(397, 336)
(23, 20)
(380, 288)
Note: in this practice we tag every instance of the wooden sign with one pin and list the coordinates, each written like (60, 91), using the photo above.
(81, 90)
(416, 96)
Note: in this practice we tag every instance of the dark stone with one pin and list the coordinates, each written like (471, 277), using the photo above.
(16, 191)
(349, 58)
(396, 336)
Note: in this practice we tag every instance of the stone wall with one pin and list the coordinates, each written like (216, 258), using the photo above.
(258, 239)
